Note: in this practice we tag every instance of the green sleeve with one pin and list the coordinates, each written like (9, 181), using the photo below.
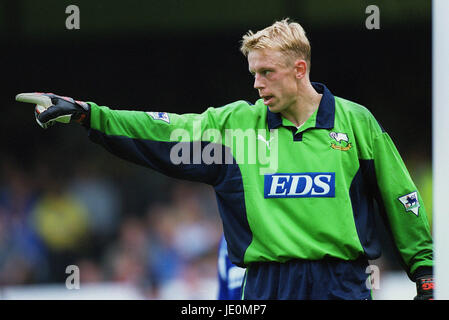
(166, 142)
(154, 126)
(403, 206)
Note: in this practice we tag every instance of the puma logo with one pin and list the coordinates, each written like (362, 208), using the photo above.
(259, 137)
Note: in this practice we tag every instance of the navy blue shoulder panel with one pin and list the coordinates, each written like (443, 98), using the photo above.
(156, 155)
(231, 205)
(362, 201)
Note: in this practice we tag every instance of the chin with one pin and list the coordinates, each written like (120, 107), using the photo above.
(273, 109)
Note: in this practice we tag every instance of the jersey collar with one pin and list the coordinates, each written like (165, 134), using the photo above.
(325, 115)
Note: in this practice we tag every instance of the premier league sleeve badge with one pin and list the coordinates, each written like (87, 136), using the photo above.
(410, 202)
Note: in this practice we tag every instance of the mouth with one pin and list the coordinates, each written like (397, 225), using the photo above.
(267, 99)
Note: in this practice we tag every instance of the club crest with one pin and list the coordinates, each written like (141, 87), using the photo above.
(341, 141)
(410, 202)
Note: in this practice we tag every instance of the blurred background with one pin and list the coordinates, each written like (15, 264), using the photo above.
(135, 233)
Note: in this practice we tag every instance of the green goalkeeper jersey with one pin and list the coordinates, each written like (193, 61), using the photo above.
(283, 192)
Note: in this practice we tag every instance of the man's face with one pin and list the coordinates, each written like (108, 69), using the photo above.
(274, 78)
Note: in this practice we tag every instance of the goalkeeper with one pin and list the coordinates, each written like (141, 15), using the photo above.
(301, 222)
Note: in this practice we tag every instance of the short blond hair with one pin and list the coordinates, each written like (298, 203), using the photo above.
(286, 36)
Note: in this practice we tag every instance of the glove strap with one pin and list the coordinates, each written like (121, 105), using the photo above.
(424, 287)
(82, 117)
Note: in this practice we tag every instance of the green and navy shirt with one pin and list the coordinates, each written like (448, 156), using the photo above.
(283, 192)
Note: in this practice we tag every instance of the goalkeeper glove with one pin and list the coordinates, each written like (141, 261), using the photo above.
(424, 288)
(51, 107)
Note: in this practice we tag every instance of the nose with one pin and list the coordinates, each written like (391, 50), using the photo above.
(258, 83)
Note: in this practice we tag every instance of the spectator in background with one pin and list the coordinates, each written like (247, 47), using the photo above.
(196, 234)
(164, 261)
(90, 271)
(22, 254)
(184, 236)
(101, 198)
(125, 259)
(230, 277)
(61, 222)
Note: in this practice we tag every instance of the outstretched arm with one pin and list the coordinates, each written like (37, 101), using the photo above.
(169, 143)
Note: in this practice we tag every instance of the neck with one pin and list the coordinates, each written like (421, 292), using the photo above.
(306, 104)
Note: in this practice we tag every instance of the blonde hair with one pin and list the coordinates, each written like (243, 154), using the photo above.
(285, 36)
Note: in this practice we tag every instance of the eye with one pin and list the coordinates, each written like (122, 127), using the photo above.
(266, 72)
(262, 72)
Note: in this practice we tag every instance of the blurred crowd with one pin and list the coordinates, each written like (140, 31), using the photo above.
(50, 221)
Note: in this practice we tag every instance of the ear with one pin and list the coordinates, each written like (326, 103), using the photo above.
(300, 68)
